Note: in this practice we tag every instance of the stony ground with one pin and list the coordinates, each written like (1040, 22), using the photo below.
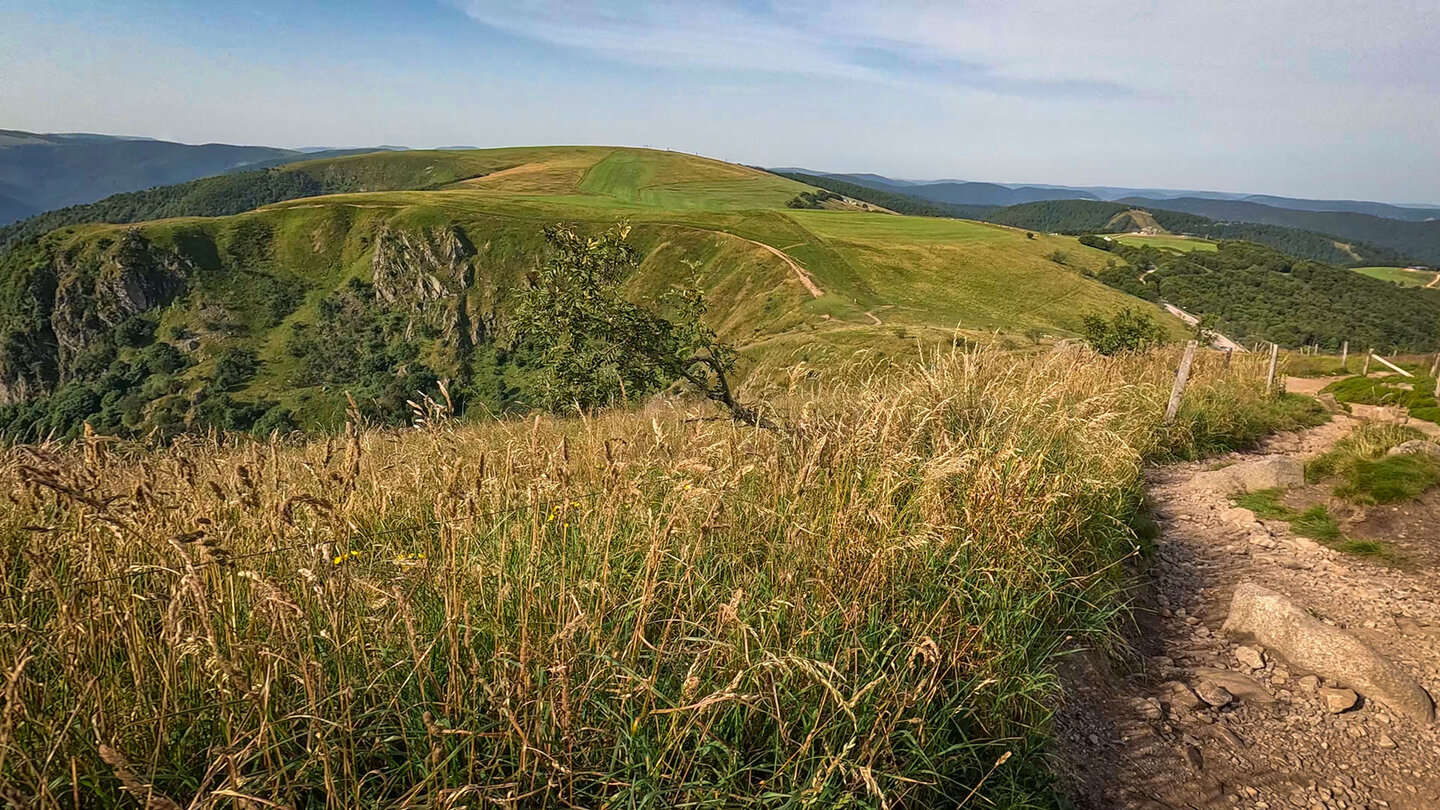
(1143, 733)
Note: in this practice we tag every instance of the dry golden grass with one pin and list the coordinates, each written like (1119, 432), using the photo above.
(653, 608)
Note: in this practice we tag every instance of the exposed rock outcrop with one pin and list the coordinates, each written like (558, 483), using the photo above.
(1275, 472)
(1424, 446)
(1269, 618)
(430, 273)
(91, 299)
(75, 299)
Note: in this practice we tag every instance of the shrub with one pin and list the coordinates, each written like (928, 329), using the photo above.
(162, 358)
(136, 332)
(276, 420)
(234, 366)
(596, 347)
(1127, 331)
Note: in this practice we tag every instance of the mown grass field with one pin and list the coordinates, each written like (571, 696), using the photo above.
(1180, 243)
(633, 609)
(1403, 276)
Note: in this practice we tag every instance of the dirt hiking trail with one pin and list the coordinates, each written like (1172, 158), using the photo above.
(1152, 730)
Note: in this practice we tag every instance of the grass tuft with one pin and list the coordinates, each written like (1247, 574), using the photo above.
(1317, 524)
(1265, 503)
(1389, 480)
(1367, 442)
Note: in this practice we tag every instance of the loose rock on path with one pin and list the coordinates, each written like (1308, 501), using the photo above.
(1197, 719)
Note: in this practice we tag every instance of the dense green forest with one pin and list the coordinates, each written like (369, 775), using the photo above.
(1256, 293)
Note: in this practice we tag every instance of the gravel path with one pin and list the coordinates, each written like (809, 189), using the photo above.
(1133, 737)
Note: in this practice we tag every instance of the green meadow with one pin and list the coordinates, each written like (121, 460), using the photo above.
(1181, 243)
(1404, 276)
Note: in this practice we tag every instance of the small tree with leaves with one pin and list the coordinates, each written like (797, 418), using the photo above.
(596, 347)
(1127, 331)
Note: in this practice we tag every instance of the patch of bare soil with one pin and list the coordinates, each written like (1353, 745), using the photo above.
(1413, 528)
(1152, 731)
(1309, 385)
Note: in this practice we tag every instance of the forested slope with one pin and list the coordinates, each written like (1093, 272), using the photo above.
(1254, 293)
(1420, 240)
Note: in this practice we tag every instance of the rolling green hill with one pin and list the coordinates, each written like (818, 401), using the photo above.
(1075, 216)
(1184, 244)
(1087, 216)
(268, 318)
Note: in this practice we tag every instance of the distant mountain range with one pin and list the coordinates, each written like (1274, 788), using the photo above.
(41, 172)
(1413, 231)
(961, 192)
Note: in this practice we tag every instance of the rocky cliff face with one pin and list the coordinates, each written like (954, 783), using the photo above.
(92, 299)
(431, 274)
(75, 297)
(75, 301)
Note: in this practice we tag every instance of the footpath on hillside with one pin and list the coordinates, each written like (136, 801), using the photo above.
(1201, 714)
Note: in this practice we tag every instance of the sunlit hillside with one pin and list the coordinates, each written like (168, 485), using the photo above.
(296, 303)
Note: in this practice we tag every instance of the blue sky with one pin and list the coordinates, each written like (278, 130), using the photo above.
(1314, 98)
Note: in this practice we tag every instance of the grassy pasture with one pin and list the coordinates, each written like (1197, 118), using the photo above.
(909, 270)
(957, 273)
(1403, 276)
(1180, 243)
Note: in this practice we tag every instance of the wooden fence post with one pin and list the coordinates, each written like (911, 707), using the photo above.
(1181, 377)
(1435, 367)
(1270, 378)
(1344, 355)
(1365, 372)
(1397, 369)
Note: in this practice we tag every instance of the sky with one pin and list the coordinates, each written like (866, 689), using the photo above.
(1312, 98)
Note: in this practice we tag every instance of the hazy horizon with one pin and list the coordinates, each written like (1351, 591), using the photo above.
(1320, 100)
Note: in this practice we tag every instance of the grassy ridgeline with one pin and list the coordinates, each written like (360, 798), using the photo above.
(640, 606)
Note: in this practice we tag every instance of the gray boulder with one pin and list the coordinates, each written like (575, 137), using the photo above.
(1261, 615)
(1416, 446)
(1272, 472)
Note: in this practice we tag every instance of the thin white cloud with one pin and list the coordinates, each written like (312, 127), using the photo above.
(814, 39)
(1013, 47)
